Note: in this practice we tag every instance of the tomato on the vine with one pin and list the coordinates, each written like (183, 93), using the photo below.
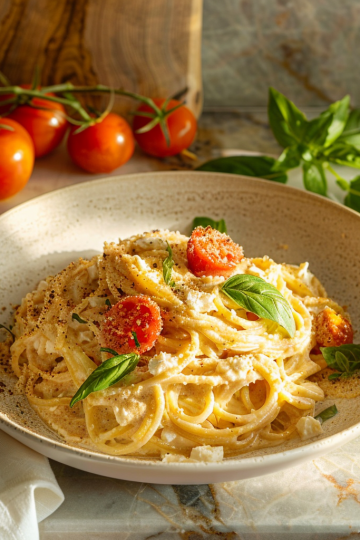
(17, 157)
(44, 120)
(181, 125)
(102, 147)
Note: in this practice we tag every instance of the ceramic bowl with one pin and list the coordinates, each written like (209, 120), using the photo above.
(42, 236)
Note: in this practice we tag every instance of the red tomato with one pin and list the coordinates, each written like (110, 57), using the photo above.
(46, 127)
(137, 314)
(212, 253)
(181, 125)
(103, 147)
(16, 158)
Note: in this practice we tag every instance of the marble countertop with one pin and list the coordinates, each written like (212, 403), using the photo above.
(316, 501)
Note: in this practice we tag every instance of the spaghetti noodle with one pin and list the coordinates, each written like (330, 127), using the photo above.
(215, 378)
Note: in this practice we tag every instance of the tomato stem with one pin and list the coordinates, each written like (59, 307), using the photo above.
(66, 98)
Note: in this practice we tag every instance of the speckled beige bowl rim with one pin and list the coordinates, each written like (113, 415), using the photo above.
(149, 470)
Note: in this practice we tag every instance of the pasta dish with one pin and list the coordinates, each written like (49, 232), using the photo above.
(201, 353)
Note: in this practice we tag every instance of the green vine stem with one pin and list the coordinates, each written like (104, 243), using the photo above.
(66, 90)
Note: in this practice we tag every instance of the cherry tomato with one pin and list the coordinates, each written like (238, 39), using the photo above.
(16, 158)
(46, 125)
(181, 125)
(332, 329)
(212, 253)
(103, 147)
(137, 314)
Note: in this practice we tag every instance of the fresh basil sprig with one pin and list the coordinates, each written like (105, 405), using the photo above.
(345, 359)
(137, 344)
(108, 373)
(206, 221)
(257, 166)
(256, 295)
(332, 137)
(168, 264)
(76, 317)
(8, 330)
(326, 414)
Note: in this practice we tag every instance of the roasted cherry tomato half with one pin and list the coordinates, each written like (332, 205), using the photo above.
(137, 314)
(46, 125)
(102, 147)
(332, 329)
(181, 124)
(16, 157)
(212, 253)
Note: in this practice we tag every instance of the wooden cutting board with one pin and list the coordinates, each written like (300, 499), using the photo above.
(152, 47)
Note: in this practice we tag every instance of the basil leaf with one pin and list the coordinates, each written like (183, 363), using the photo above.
(108, 373)
(206, 221)
(76, 317)
(352, 199)
(256, 166)
(343, 153)
(137, 344)
(289, 159)
(256, 295)
(314, 177)
(326, 414)
(110, 351)
(345, 359)
(324, 130)
(351, 133)
(107, 302)
(168, 264)
(287, 122)
(8, 330)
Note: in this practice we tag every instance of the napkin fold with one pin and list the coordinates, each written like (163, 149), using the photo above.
(29, 491)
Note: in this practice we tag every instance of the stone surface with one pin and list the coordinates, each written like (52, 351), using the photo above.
(307, 50)
(316, 501)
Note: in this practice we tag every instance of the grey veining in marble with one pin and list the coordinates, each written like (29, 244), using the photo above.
(308, 49)
(319, 500)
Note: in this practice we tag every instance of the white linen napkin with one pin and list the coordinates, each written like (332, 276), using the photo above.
(29, 491)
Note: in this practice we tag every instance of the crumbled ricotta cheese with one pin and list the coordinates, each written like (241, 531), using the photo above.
(151, 274)
(130, 409)
(305, 274)
(169, 436)
(96, 301)
(93, 272)
(308, 427)
(207, 453)
(150, 243)
(49, 347)
(162, 362)
(237, 368)
(199, 301)
(173, 458)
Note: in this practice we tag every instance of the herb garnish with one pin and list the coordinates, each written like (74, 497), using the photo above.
(134, 335)
(76, 317)
(326, 414)
(206, 221)
(256, 295)
(332, 137)
(258, 166)
(168, 264)
(345, 359)
(8, 330)
(108, 373)
(107, 302)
